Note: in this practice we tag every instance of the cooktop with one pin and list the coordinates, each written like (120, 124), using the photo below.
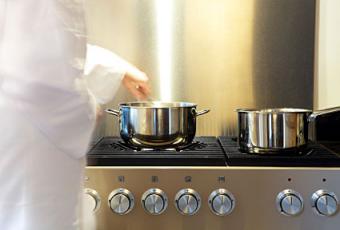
(112, 151)
(209, 151)
(313, 155)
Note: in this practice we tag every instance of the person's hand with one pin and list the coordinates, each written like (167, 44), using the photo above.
(136, 82)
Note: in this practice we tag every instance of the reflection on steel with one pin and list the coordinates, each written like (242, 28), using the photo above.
(164, 19)
(221, 54)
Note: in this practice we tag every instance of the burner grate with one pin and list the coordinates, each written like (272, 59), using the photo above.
(314, 155)
(194, 146)
(111, 151)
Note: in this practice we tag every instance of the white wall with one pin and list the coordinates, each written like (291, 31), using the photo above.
(327, 78)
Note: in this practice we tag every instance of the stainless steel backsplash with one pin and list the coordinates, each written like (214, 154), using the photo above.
(221, 54)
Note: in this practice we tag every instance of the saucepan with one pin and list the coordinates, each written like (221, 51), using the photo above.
(276, 130)
(157, 124)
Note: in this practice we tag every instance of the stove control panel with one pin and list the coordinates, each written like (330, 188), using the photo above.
(195, 198)
(121, 201)
(289, 202)
(221, 202)
(154, 201)
(187, 201)
(324, 203)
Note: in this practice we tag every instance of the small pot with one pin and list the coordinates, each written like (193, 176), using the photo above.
(276, 130)
(157, 124)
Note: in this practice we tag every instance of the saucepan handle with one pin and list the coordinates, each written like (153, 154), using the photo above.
(202, 112)
(317, 113)
(312, 121)
(112, 112)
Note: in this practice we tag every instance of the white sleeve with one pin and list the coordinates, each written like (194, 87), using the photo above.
(104, 71)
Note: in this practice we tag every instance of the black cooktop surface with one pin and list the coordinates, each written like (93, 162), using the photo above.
(313, 155)
(112, 151)
(209, 151)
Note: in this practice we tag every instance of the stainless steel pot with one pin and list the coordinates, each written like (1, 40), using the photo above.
(275, 130)
(157, 124)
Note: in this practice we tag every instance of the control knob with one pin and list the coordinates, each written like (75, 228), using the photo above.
(324, 203)
(289, 202)
(187, 201)
(121, 201)
(221, 202)
(154, 201)
(91, 199)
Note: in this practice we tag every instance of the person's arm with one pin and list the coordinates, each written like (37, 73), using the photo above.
(105, 70)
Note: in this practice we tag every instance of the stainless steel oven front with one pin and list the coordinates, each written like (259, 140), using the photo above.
(223, 197)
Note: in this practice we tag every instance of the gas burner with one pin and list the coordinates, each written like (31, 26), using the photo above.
(112, 151)
(196, 145)
(302, 151)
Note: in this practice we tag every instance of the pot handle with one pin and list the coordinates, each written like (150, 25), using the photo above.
(317, 113)
(312, 121)
(202, 112)
(112, 112)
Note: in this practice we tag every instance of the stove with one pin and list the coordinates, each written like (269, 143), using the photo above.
(211, 184)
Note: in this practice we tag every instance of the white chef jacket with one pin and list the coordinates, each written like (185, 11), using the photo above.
(46, 111)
